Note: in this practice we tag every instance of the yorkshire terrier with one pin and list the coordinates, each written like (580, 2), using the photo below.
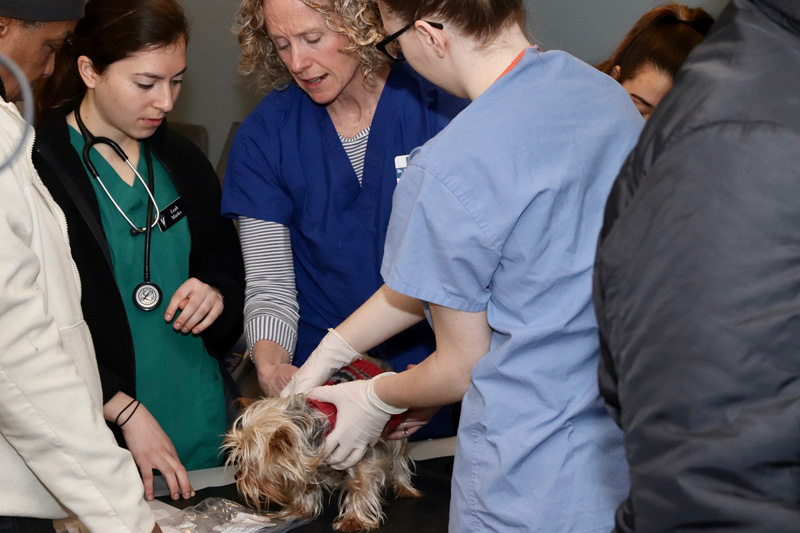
(277, 445)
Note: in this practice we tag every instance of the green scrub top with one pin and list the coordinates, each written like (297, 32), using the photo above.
(176, 379)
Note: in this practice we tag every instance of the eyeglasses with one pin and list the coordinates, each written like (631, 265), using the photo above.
(394, 52)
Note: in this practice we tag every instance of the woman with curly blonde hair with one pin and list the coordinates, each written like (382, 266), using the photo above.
(358, 20)
(312, 171)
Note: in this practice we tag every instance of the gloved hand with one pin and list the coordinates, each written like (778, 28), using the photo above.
(332, 354)
(360, 419)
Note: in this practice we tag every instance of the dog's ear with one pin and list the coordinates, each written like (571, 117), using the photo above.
(244, 403)
(270, 444)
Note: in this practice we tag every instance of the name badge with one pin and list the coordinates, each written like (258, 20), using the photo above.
(171, 214)
(400, 164)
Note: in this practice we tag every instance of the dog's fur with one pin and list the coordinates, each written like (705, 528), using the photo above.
(277, 446)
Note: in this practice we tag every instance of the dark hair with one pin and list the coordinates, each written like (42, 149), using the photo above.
(662, 38)
(481, 19)
(110, 31)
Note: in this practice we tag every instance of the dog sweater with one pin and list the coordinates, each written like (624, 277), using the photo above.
(357, 370)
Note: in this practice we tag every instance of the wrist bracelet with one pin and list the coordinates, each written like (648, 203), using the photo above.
(116, 420)
(132, 413)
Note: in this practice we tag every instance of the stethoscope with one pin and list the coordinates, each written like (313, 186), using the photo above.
(146, 295)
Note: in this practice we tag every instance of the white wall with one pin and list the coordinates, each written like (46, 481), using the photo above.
(215, 95)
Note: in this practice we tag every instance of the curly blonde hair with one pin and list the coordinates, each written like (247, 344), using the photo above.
(359, 20)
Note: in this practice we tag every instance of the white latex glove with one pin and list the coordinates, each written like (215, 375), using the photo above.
(360, 419)
(332, 354)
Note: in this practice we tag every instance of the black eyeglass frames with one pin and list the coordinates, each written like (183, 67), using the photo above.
(395, 52)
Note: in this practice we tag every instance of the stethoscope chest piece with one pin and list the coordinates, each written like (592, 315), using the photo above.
(147, 296)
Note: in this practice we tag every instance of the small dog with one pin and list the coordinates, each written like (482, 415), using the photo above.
(277, 446)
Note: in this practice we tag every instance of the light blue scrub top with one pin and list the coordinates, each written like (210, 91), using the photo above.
(501, 211)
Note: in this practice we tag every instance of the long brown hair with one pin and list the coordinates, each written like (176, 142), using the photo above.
(110, 31)
(661, 38)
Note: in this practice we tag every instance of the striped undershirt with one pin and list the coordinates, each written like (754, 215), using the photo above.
(271, 311)
(356, 148)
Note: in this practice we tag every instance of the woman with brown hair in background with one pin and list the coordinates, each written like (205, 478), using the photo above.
(649, 56)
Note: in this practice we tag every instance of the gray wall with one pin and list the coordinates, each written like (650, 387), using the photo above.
(215, 95)
(591, 29)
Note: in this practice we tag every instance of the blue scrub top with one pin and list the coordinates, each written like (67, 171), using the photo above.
(287, 165)
(501, 211)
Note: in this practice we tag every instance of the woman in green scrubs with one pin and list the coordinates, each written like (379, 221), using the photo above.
(158, 359)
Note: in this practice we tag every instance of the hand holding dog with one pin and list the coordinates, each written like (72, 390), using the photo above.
(360, 419)
(332, 354)
(413, 420)
(274, 378)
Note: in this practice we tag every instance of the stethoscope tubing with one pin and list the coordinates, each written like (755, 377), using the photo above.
(89, 142)
(144, 303)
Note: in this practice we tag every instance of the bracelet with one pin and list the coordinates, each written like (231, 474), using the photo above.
(131, 415)
(116, 420)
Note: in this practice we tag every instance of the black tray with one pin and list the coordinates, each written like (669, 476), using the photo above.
(428, 514)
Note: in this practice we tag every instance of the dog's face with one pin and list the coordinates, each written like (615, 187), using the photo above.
(277, 446)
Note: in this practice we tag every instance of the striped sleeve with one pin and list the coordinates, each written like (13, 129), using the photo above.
(270, 310)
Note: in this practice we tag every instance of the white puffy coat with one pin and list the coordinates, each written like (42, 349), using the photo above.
(57, 456)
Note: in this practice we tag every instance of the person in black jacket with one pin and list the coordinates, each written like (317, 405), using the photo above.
(158, 357)
(697, 287)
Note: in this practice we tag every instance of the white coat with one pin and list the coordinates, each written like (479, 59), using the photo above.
(57, 456)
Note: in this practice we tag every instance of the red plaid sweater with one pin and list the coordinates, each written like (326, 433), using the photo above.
(357, 370)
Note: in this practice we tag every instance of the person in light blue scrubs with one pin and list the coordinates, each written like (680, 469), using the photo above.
(494, 229)
(311, 174)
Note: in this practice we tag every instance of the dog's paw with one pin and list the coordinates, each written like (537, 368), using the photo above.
(406, 491)
(352, 523)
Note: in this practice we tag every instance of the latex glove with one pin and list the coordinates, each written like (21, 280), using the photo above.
(413, 420)
(332, 354)
(360, 419)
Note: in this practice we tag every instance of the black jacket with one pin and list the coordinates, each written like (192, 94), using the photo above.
(697, 287)
(215, 258)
